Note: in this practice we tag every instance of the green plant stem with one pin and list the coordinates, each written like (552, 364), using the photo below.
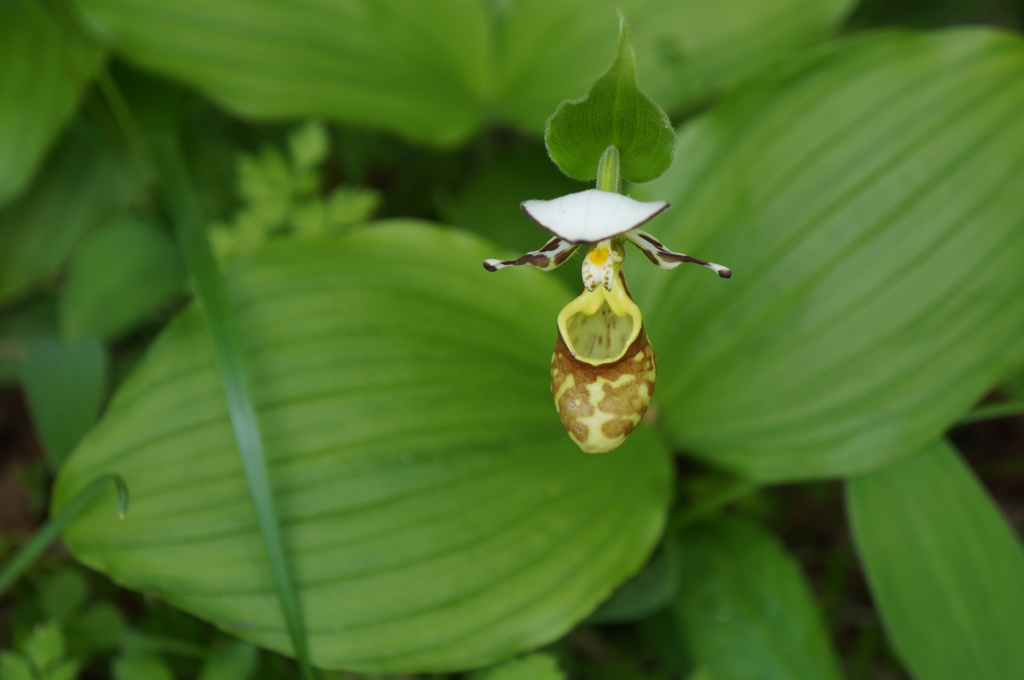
(212, 296)
(110, 94)
(992, 411)
(608, 176)
(49, 532)
(712, 504)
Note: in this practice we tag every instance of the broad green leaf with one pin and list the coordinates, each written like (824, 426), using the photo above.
(687, 50)
(433, 71)
(438, 515)
(690, 50)
(868, 203)
(745, 607)
(82, 184)
(614, 112)
(532, 667)
(117, 277)
(47, 65)
(945, 570)
(416, 68)
(64, 384)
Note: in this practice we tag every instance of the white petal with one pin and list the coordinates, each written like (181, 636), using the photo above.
(591, 216)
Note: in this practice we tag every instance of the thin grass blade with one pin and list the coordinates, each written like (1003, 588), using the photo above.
(213, 299)
(49, 532)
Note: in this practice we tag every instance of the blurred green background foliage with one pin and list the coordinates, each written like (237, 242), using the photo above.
(240, 247)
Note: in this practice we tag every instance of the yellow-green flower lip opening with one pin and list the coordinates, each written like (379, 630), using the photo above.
(600, 325)
(603, 368)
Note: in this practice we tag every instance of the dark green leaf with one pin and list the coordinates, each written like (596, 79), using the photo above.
(62, 593)
(437, 514)
(614, 112)
(34, 318)
(646, 593)
(868, 203)
(96, 630)
(117, 277)
(946, 571)
(662, 633)
(746, 609)
(47, 64)
(64, 383)
(82, 184)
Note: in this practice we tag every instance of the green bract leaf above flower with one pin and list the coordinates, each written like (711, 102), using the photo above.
(613, 113)
(437, 515)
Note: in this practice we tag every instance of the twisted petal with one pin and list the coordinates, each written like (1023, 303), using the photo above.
(665, 258)
(591, 216)
(552, 254)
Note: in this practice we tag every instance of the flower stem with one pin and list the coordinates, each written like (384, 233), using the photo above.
(608, 178)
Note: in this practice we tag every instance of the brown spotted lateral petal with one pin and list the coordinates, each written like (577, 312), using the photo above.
(603, 368)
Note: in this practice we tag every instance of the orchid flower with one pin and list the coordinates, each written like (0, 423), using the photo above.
(603, 369)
